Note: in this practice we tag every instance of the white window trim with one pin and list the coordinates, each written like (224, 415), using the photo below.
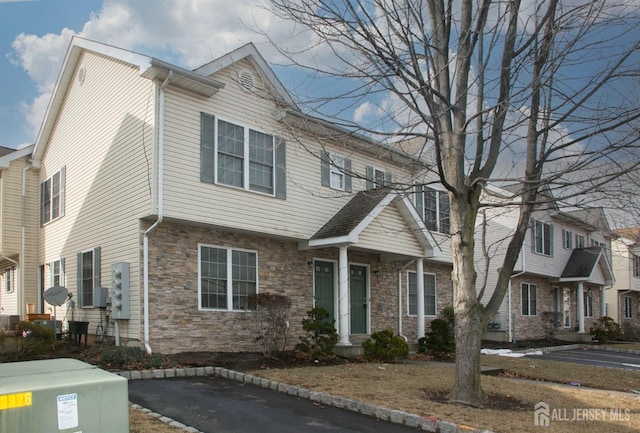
(582, 241)
(588, 303)
(245, 159)
(535, 235)
(636, 265)
(61, 196)
(435, 289)
(336, 166)
(439, 228)
(529, 297)
(567, 239)
(229, 284)
(62, 271)
(10, 279)
(88, 303)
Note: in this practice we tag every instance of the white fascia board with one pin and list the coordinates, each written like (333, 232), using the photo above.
(5, 161)
(339, 240)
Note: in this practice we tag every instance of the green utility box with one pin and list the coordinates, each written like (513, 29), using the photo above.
(62, 395)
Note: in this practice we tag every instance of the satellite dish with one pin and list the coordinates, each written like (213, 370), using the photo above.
(56, 295)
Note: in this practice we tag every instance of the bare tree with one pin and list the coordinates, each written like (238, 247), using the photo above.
(547, 88)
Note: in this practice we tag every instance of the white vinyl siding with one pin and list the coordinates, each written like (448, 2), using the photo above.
(430, 297)
(226, 277)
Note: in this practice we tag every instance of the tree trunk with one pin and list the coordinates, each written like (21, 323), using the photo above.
(469, 320)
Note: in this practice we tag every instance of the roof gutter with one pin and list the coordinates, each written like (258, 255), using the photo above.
(160, 197)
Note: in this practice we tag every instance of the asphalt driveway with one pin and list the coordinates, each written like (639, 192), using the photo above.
(600, 358)
(213, 404)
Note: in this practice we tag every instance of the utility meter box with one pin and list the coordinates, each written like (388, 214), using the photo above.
(62, 396)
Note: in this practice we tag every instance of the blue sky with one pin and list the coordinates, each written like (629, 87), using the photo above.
(34, 36)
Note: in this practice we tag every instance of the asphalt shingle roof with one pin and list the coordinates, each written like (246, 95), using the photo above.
(581, 262)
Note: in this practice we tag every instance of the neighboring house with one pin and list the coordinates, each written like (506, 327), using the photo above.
(624, 298)
(198, 188)
(559, 282)
(18, 228)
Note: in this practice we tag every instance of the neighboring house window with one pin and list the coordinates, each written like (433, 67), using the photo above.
(227, 277)
(579, 241)
(377, 178)
(52, 197)
(429, 294)
(88, 268)
(542, 237)
(57, 272)
(436, 210)
(628, 311)
(567, 239)
(588, 304)
(238, 156)
(595, 243)
(529, 299)
(335, 171)
(9, 279)
(636, 265)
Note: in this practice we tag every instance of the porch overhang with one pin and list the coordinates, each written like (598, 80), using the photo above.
(347, 225)
(581, 266)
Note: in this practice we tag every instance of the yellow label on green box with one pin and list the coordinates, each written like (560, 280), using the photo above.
(13, 401)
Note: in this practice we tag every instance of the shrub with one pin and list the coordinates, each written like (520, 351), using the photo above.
(440, 340)
(321, 336)
(27, 341)
(130, 357)
(271, 312)
(605, 329)
(385, 346)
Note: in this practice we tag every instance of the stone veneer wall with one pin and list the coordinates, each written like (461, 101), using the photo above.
(533, 327)
(176, 324)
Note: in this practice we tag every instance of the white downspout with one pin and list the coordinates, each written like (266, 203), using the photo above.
(160, 194)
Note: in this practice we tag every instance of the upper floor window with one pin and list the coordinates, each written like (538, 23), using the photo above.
(88, 267)
(567, 239)
(226, 277)
(529, 299)
(430, 300)
(52, 197)
(377, 178)
(636, 265)
(579, 241)
(542, 237)
(9, 279)
(436, 210)
(238, 156)
(335, 171)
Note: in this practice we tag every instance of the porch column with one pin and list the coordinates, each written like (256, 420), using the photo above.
(581, 307)
(420, 295)
(603, 302)
(343, 298)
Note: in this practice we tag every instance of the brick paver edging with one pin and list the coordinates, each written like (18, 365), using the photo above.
(425, 423)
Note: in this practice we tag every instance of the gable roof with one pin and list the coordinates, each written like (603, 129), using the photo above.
(149, 67)
(249, 52)
(582, 263)
(7, 155)
(355, 216)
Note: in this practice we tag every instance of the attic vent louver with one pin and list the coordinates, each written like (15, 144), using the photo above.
(247, 80)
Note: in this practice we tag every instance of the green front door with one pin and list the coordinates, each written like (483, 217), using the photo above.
(324, 286)
(358, 299)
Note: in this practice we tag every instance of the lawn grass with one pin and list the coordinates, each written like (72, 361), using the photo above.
(411, 388)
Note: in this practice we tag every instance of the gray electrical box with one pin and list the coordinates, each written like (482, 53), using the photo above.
(120, 291)
(62, 396)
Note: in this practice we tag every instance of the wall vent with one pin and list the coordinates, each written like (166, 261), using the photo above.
(247, 80)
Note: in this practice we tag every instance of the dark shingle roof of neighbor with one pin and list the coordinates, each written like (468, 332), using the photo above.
(348, 218)
(581, 262)
(6, 150)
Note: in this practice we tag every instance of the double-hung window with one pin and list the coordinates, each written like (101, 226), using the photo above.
(567, 239)
(56, 269)
(227, 277)
(52, 197)
(377, 178)
(335, 171)
(88, 278)
(241, 157)
(436, 210)
(529, 299)
(579, 241)
(9, 279)
(628, 307)
(542, 237)
(429, 294)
